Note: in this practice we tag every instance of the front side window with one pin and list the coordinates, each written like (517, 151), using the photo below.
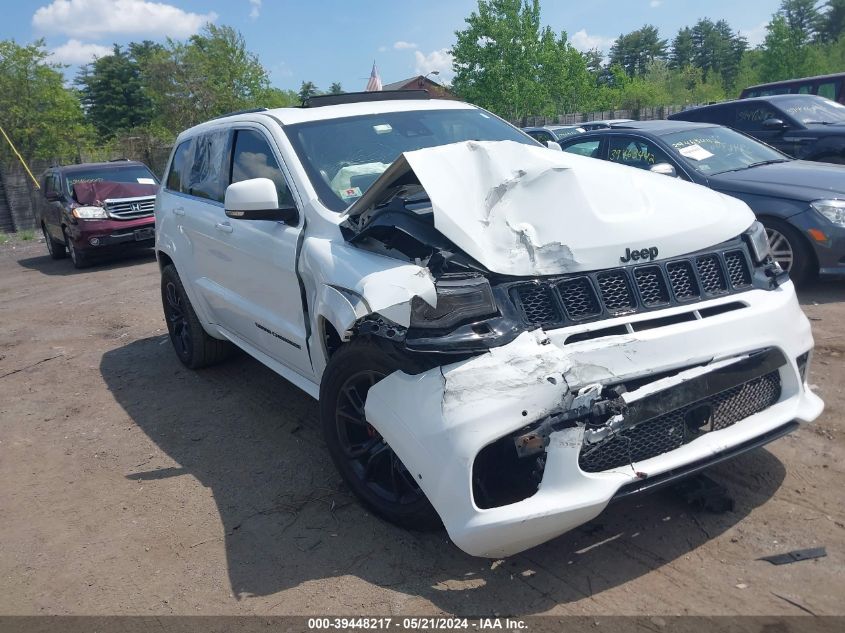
(715, 150)
(635, 152)
(541, 136)
(750, 117)
(344, 157)
(253, 158)
(179, 168)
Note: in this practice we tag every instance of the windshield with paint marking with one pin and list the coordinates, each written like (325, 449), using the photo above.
(344, 157)
(717, 150)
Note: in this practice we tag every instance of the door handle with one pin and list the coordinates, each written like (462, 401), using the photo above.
(178, 210)
(225, 227)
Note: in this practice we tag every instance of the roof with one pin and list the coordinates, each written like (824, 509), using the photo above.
(772, 98)
(399, 85)
(112, 164)
(292, 116)
(789, 81)
(660, 128)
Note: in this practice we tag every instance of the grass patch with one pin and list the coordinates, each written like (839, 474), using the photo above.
(26, 236)
(4, 239)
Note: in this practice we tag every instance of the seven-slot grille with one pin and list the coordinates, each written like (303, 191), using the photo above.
(670, 431)
(631, 289)
(130, 208)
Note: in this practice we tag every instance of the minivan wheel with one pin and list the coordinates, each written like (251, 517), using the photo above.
(56, 249)
(194, 347)
(790, 250)
(79, 259)
(366, 462)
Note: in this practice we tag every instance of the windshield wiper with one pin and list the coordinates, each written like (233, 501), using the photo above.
(759, 163)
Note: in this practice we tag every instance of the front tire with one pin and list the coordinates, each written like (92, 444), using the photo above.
(791, 250)
(194, 347)
(365, 461)
(56, 249)
(79, 258)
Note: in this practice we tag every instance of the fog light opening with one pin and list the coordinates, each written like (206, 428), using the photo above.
(94, 241)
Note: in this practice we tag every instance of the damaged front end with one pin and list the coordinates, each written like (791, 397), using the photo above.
(554, 378)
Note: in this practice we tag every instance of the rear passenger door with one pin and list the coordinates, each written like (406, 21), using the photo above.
(259, 297)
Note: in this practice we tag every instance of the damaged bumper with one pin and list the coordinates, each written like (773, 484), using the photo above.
(697, 391)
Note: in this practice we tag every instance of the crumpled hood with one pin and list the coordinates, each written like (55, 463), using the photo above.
(524, 210)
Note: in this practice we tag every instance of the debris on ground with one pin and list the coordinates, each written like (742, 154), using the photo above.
(795, 555)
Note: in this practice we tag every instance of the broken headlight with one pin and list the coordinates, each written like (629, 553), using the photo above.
(459, 299)
(758, 242)
(90, 213)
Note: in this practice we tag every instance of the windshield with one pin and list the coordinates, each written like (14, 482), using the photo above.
(715, 150)
(131, 173)
(343, 157)
(813, 110)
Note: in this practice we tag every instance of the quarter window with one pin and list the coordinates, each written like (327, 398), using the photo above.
(253, 158)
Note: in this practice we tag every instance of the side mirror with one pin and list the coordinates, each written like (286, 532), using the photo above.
(52, 195)
(257, 199)
(554, 145)
(774, 124)
(664, 169)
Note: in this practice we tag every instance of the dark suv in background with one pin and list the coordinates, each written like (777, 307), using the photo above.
(97, 208)
(804, 126)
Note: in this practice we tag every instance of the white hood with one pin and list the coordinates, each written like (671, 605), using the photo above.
(524, 210)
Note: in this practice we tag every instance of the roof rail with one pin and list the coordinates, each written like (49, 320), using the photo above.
(118, 160)
(236, 112)
(359, 97)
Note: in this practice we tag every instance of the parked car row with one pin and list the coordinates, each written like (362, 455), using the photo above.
(801, 203)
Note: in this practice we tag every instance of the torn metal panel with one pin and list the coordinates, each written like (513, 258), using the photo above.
(523, 210)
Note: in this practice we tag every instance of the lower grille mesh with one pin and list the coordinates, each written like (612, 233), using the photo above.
(669, 431)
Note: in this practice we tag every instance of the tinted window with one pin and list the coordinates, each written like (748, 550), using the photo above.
(253, 158)
(584, 148)
(635, 152)
(541, 136)
(179, 167)
(50, 183)
(750, 117)
(829, 89)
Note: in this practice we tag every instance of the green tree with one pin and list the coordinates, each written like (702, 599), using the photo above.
(336, 88)
(505, 61)
(802, 17)
(832, 21)
(683, 49)
(113, 94)
(635, 50)
(42, 117)
(307, 90)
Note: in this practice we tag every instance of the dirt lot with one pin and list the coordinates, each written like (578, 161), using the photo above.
(131, 485)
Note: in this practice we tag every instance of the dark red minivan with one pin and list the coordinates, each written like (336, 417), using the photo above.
(97, 208)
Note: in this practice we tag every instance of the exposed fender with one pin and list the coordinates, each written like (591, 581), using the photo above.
(342, 308)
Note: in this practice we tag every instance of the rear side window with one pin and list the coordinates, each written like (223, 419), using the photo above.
(179, 167)
(829, 89)
(253, 158)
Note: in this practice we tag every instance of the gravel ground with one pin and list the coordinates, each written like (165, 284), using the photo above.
(131, 485)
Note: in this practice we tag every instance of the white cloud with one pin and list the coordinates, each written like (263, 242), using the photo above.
(97, 18)
(401, 46)
(440, 60)
(255, 9)
(755, 35)
(74, 52)
(584, 42)
(655, 3)
(382, 49)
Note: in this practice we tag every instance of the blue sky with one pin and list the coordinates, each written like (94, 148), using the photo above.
(333, 40)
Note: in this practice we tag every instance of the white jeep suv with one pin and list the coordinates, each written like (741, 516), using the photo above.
(501, 337)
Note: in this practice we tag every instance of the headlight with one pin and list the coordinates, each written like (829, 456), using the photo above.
(758, 241)
(833, 210)
(90, 213)
(458, 299)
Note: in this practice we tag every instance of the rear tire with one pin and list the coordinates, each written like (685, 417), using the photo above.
(192, 344)
(791, 250)
(56, 249)
(365, 461)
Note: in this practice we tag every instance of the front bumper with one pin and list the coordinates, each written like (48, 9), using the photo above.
(111, 233)
(461, 408)
(829, 252)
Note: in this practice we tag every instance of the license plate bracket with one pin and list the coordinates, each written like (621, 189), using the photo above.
(146, 233)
